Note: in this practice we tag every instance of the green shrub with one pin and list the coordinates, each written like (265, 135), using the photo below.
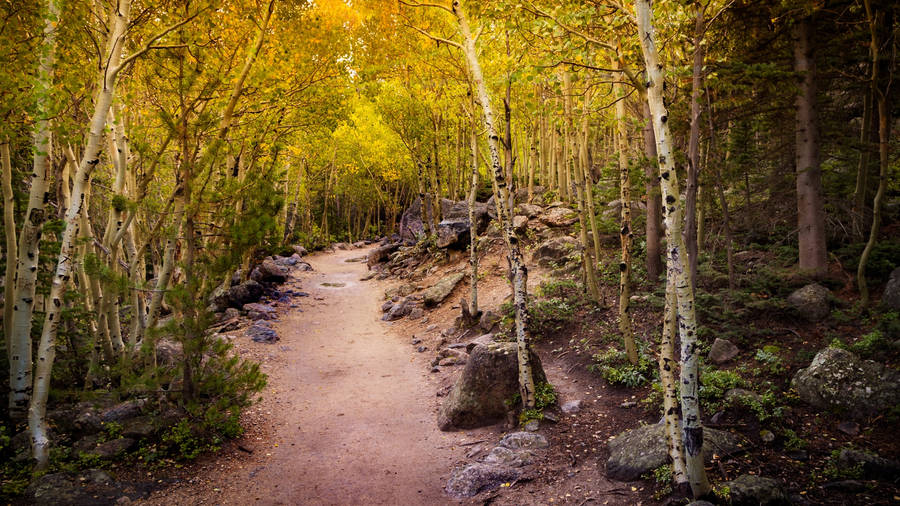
(769, 355)
(713, 385)
(614, 367)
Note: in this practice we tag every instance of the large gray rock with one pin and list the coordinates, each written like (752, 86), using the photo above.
(838, 379)
(559, 217)
(244, 293)
(475, 478)
(722, 350)
(488, 383)
(453, 232)
(524, 441)
(637, 451)
(262, 332)
(891, 296)
(459, 210)
(381, 254)
(300, 250)
(400, 309)
(529, 210)
(269, 272)
(752, 490)
(873, 467)
(256, 311)
(812, 302)
(555, 251)
(123, 410)
(436, 293)
(113, 448)
(411, 225)
(507, 457)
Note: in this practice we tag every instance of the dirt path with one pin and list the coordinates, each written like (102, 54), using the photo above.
(349, 410)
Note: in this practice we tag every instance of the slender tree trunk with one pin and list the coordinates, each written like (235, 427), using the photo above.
(884, 133)
(473, 226)
(667, 367)
(653, 225)
(589, 182)
(862, 169)
(690, 215)
(20, 367)
(687, 320)
(9, 228)
(810, 204)
(626, 235)
(520, 272)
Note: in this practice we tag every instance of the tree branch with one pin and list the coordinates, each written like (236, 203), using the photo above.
(426, 4)
(150, 43)
(436, 38)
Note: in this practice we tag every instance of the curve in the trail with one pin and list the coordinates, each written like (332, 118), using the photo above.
(352, 407)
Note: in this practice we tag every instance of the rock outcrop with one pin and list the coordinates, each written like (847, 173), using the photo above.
(891, 296)
(482, 394)
(839, 380)
(436, 293)
(812, 302)
(555, 251)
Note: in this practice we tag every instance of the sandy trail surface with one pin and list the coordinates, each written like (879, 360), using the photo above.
(350, 409)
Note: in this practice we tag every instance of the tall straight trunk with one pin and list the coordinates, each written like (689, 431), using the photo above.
(473, 226)
(862, 168)
(581, 192)
(626, 234)
(9, 228)
(720, 192)
(690, 215)
(520, 272)
(552, 174)
(120, 18)
(653, 224)
(810, 201)
(876, 20)
(20, 355)
(588, 177)
(667, 367)
(687, 320)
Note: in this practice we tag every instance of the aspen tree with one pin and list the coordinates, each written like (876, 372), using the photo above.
(692, 427)
(626, 235)
(19, 340)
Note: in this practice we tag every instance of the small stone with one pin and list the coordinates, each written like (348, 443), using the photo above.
(422, 349)
(416, 313)
(754, 490)
(767, 435)
(847, 486)
(551, 417)
(532, 426)
(628, 404)
(571, 407)
(416, 341)
(849, 428)
(435, 369)
(476, 478)
(798, 455)
(812, 302)
(722, 350)
(430, 327)
(507, 457)
(526, 440)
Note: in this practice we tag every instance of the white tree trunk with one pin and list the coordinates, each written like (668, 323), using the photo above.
(520, 272)
(20, 367)
(9, 227)
(687, 321)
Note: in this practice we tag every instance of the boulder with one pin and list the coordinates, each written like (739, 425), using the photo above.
(519, 223)
(411, 225)
(140, 427)
(244, 293)
(269, 272)
(873, 467)
(637, 451)
(524, 441)
(488, 320)
(485, 339)
(436, 293)
(169, 353)
(812, 302)
(288, 262)
(489, 381)
(300, 250)
(381, 254)
(459, 210)
(453, 232)
(529, 210)
(262, 332)
(505, 457)
(555, 251)
(891, 296)
(571, 407)
(341, 246)
(415, 313)
(400, 309)
(123, 411)
(62, 489)
(559, 217)
(838, 379)
(256, 311)
(722, 350)
(475, 478)
(113, 448)
(752, 490)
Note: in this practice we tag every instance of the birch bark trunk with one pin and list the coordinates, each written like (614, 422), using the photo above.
(692, 426)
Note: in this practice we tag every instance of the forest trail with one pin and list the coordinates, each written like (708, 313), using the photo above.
(351, 408)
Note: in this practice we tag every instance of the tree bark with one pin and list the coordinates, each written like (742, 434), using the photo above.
(9, 228)
(692, 426)
(810, 201)
(653, 225)
(690, 215)
(520, 272)
(626, 235)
